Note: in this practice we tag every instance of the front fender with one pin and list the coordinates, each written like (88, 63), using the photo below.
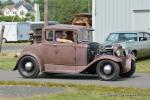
(105, 57)
(28, 54)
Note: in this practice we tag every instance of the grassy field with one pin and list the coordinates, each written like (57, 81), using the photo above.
(86, 92)
(7, 61)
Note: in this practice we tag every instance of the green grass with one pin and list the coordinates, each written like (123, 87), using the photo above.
(143, 65)
(86, 92)
(7, 61)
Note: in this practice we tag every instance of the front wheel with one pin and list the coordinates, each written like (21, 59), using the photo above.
(28, 67)
(108, 70)
(131, 72)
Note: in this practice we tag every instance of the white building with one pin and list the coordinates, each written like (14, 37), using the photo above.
(20, 9)
(120, 15)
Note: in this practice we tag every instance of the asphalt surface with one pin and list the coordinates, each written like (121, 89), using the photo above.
(11, 48)
(139, 80)
(26, 91)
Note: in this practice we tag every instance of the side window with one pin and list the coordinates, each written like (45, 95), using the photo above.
(141, 37)
(147, 36)
(49, 35)
(64, 36)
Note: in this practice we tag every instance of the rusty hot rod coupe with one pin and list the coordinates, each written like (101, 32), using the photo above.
(69, 49)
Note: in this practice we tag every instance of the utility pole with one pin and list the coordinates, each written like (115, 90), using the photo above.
(1, 36)
(45, 12)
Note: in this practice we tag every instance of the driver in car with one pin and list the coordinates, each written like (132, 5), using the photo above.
(62, 37)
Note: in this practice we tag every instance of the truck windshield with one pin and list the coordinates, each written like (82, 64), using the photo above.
(85, 36)
(113, 37)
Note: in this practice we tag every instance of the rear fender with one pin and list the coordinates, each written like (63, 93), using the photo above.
(32, 55)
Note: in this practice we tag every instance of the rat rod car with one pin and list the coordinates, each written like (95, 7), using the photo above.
(69, 49)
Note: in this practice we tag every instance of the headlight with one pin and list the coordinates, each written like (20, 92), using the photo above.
(126, 52)
(118, 53)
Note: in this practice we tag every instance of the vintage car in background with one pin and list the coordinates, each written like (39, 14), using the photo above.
(137, 43)
(69, 49)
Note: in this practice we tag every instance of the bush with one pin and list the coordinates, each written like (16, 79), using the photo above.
(11, 18)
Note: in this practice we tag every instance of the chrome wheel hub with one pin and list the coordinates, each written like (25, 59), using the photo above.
(28, 66)
(107, 69)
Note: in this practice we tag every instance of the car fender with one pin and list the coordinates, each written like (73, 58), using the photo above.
(105, 57)
(29, 54)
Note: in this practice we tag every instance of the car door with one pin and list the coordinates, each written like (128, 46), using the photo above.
(142, 46)
(49, 51)
(147, 43)
(60, 55)
(65, 53)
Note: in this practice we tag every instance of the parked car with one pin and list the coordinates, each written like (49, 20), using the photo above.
(57, 54)
(137, 43)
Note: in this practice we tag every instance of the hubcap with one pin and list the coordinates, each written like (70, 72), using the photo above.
(28, 66)
(107, 69)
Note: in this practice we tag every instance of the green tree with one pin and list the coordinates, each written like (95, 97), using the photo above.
(29, 17)
(0, 3)
(11, 18)
(8, 2)
(64, 10)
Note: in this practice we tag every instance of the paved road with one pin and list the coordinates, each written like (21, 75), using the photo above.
(14, 47)
(26, 91)
(139, 80)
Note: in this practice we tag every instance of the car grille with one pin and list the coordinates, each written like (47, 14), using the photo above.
(109, 51)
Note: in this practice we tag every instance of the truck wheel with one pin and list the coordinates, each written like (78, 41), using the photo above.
(28, 67)
(131, 72)
(108, 70)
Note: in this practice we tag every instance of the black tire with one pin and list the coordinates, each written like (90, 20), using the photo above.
(134, 53)
(131, 72)
(113, 75)
(33, 72)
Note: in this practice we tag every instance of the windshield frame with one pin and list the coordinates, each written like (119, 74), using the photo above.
(85, 36)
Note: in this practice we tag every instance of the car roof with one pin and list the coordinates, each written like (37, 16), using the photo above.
(131, 32)
(68, 27)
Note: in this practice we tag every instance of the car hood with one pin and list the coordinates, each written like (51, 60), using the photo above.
(109, 44)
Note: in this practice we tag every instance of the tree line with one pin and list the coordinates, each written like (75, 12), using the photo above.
(62, 11)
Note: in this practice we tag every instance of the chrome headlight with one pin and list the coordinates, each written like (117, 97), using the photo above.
(126, 52)
(118, 53)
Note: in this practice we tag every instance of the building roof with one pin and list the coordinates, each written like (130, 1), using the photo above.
(10, 7)
(28, 6)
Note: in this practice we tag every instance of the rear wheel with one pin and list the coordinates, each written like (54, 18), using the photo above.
(131, 72)
(28, 67)
(108, 70)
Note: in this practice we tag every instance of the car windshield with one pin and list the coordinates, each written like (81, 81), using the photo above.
(113, 37)
(85, 36)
